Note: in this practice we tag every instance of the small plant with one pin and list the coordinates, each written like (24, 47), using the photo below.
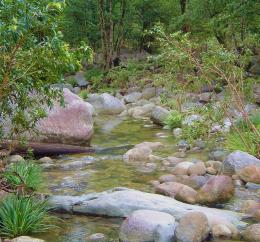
(84, 94)
(24, 176)
(72, 81)
(173, 120)
(93, 73)
(22, 216)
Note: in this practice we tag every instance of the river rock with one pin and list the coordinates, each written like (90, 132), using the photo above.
(217, 189)
(141, 111)
(213, 167)
(159, 115)
(194, 182)
(252, 208)
(149, 92)
(177, 190)
(148, 225)
(121, 202)
(98, 237)
(80, 79)
(26, 239)
(132, 97)
(191, 119)
(205, 97)
(193, 227)
(257, 93)
(252, 233)
(45, 160)
(15, 158)
(198, 168)
(221, 231)
(250, 174)
(182, 168)
(237, 160)
(106, 104)
(72, 124)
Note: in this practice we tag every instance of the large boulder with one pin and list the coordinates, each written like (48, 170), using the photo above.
(72, 124)
(236, 161)
(159, 115)
(217, 189)
(148, 225)
(121, 202)
(193, 227)
(106, 104)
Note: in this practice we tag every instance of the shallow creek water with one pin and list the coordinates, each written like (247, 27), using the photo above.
(87, 173)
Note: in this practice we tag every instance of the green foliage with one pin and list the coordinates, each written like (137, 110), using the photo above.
(245, 141)
(173, 120)
(24, 173)
(84, 94)
(72, 81)
(33, 56)
(23, 216)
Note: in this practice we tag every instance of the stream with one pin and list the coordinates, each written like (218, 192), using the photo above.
(88, 173)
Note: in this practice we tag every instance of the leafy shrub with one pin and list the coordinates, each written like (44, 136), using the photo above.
(84, 94)
(25, 174)
(173, 120)
(22, 216)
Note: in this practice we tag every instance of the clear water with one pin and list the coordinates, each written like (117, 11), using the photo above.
(114, 136)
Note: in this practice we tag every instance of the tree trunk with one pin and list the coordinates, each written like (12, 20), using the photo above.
(183, 5)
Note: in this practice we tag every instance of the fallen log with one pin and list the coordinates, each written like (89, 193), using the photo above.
(44, 148)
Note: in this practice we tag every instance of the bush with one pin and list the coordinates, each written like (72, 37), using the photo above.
(22, 216)
(84, 94)
(93, 73)
(24, 174)
(173, 120)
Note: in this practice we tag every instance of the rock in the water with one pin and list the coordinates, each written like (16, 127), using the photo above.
(149, 92)
(221, 231)
(217, 189)
(72, 124)
(121, 202)
(26, 239)
(98, 237)
(106, 104)
(182, 168)
(177, 132)
(148, 225)
(252, 208)
(193, 227)
(15, 158)
(159, 115)
(252, 233)
(133, 97)
(197, 169)
(141, 152)
(250, 173)
(45, 160)
(237, 160)
(177, 190)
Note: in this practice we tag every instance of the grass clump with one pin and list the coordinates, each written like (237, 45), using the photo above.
(23, 216)
(174, 120)
(25, 174)
(84, 94)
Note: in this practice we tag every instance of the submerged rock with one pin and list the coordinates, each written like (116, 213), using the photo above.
(238, 160)
(98, 237)
(148, 225)
(193, 227)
